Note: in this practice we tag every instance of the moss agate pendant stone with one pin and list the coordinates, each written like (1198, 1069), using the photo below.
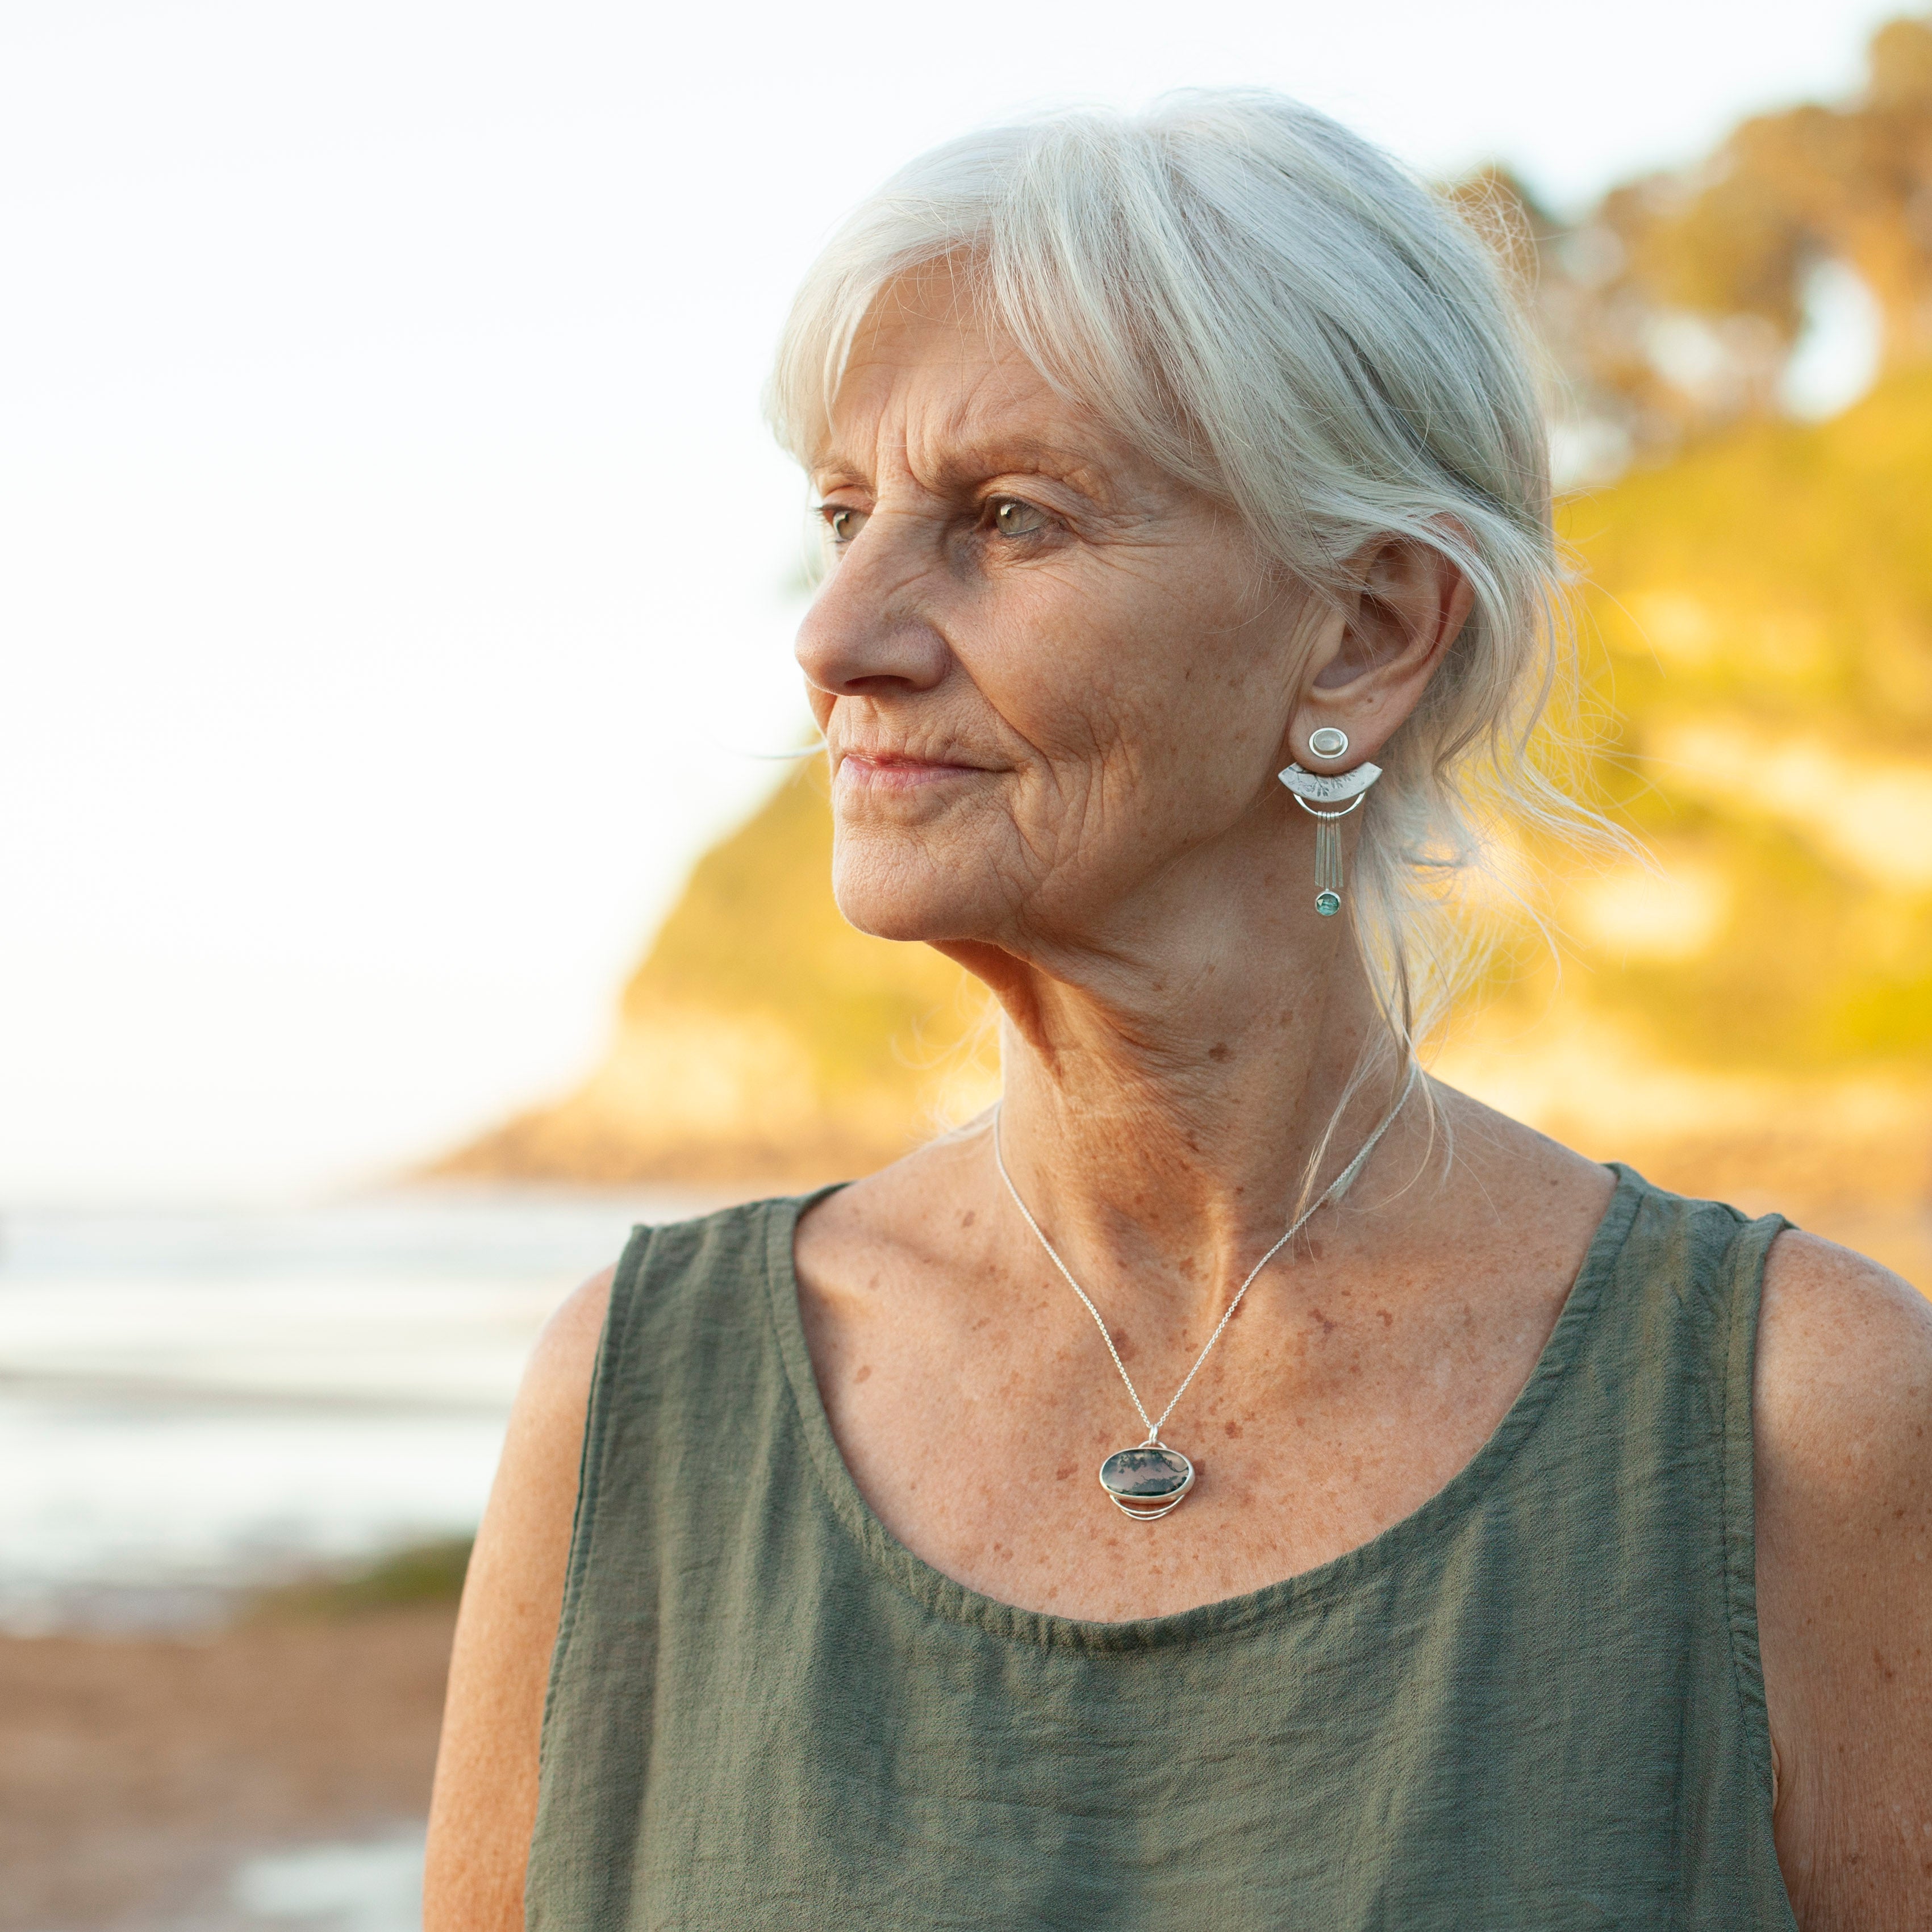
(1146, 1482)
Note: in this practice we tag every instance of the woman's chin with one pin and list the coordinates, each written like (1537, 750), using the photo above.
(906, 896)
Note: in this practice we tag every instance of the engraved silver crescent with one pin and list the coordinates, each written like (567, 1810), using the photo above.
(1327, 790)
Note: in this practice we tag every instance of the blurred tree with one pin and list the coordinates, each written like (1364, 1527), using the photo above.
(1673, 307)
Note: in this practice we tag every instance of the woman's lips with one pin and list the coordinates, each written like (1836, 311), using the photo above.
(886, 773)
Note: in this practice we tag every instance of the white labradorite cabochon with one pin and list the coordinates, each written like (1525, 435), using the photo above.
(1149, 1475)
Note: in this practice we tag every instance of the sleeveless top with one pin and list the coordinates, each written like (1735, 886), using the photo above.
(1533, 1706)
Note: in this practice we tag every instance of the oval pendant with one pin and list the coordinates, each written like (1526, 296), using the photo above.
(1146, 1482)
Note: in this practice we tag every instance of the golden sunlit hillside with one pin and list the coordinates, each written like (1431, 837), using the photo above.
(1754, 1015)
(1765, 608)
(763, 1039)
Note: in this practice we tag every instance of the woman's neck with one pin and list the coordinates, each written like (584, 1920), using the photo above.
(1161, 1117)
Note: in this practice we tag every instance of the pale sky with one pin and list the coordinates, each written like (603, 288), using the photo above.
(393, 565)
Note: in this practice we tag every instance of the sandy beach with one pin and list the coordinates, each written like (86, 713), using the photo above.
(137, 1775)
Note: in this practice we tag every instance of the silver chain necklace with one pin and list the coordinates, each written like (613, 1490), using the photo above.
(1151, 1480)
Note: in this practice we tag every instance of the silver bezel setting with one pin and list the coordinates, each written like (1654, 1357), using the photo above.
(1148, 1509)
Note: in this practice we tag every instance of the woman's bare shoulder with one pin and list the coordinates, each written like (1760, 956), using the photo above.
(484, 1801)
(1513, 1177)
(1843, 1400)
(565, 1357)
(1842, 1422)
(905, 1215)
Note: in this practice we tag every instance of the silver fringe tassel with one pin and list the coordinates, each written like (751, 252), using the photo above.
(1328, 862)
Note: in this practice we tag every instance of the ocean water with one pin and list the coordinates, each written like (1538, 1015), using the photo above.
(195, 1402)
(373, 1885)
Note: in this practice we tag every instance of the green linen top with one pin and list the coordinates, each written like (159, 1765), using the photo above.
(1535, 1704)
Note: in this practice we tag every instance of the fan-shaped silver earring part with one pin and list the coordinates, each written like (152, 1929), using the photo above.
(1328, 742)
(1329, 787)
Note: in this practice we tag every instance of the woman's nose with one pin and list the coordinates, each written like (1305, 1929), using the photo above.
(868, 631)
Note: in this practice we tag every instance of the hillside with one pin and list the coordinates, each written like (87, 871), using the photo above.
(1765, 607)
(763, 1039)
(1753, 1018)
(1757, 1014)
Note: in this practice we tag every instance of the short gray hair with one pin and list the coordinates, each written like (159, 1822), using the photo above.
(1280, 314)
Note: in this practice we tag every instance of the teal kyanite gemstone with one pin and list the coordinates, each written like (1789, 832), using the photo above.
(1327, 903)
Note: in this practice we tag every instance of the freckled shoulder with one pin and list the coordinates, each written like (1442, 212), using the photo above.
(1843, 1423)
(1844, 1371)
(1843, 1408)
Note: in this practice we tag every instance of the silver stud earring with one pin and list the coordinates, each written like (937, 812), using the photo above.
(1328, 742)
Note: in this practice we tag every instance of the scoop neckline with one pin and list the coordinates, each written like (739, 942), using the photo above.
(946, 1596)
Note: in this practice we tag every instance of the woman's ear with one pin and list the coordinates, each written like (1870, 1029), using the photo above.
(1406, 605)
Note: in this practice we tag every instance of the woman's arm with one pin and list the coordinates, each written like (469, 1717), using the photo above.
(1844, 1566)
(485, 1800)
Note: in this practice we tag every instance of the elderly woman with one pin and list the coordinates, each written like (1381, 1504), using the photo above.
(1482, 1538)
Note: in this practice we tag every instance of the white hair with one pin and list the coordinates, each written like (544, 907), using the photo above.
(1279, 314)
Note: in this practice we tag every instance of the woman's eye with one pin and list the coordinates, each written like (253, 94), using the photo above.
(843, 521)
(1013, 518)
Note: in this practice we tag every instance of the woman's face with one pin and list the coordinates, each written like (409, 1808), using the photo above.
(1055, 682)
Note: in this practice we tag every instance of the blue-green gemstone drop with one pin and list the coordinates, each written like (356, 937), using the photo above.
(1327, 903)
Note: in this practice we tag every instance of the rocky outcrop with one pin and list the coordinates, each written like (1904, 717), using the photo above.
(763, 1039)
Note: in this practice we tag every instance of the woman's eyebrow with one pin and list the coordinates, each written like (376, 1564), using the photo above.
(966, 463)
(836, 475)
(1024, 456)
